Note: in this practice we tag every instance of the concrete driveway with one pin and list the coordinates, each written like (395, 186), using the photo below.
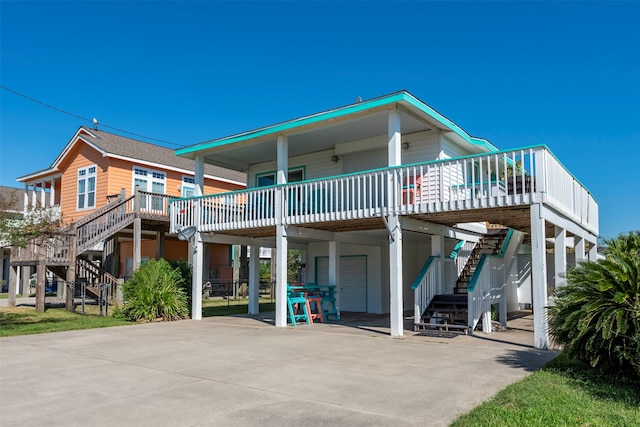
(238, 371)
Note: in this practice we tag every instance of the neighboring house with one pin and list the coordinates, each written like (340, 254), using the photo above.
(12, 209)
(395, 204)
(112, 194)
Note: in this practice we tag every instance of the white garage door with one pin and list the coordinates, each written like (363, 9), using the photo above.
(353, 281)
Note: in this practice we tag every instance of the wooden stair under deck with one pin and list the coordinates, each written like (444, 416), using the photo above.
(489, 244)
(446, 312)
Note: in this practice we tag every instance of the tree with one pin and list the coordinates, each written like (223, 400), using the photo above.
(38, 227)
(597, 314)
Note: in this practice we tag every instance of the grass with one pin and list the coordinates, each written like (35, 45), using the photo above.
(228, 307)
(25, 321)
(4, 295)
(564, 393)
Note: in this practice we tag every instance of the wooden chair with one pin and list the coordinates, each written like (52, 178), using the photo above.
(411, 187)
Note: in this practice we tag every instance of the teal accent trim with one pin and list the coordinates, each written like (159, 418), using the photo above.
(423, 271)
(476, 275)
(456, 249)
(505, 244)
(403, 96)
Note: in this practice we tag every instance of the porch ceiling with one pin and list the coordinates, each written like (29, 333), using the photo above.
(311, 139)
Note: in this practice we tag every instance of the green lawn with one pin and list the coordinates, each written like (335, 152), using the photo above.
(227, 307)
(561, 394)
(25, 321)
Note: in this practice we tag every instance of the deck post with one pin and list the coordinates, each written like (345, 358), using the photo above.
(437, 249)
(41, 273)
(196, 250)
(593, 253)
(578, 249)
(254, 280)
(13, 290)
(539, 277)
(334, 272)
(281, 232)
(560, 256)
(137, 230)
(394, 153)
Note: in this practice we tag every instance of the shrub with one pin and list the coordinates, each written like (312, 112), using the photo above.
(154, 292)
(597, 314)
(186, 273)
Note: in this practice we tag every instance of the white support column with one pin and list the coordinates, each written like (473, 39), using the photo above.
(394, 153)
(593, 253)
(26, 197)
(334, 271)
(579, 249)
(52, 192)
(34, 198)
(43, 194)
(254, 280)
(197, 255)
(560, 256)
(539, 278)
(281, 232)
(437, 249)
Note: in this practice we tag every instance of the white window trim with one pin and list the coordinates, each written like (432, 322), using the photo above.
(150, 179)
(86, 192)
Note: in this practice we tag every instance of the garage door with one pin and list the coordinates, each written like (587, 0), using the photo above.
(353, 281)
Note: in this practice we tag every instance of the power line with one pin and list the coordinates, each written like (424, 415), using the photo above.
(86, 119)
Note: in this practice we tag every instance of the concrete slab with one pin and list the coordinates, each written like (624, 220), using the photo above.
(241, 371)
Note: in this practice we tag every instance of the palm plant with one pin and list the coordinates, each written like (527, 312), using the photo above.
(154, 292)
(597, 314)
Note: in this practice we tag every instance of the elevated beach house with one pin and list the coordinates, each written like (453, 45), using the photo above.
(397, 207)
(112, 195)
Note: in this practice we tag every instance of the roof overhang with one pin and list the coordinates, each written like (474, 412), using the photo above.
(322, 131)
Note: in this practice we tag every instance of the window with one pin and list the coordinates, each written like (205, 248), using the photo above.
(150, 181)
(269, 178)
(87, 187)
(188, 186)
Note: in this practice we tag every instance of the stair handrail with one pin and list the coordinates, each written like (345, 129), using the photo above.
(480, 297)
(100, 211)
(424, 287)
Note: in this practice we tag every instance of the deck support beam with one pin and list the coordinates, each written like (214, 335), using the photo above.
(281, 232)
(579, 249)
(539, 277)
(254, 280)
(394, 225)
(334, 271)
(196, 250)
(560, 256)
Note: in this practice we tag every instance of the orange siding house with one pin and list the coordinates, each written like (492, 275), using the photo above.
(96, 166)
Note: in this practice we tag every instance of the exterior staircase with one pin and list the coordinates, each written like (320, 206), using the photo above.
(489, 244)
(445, 313)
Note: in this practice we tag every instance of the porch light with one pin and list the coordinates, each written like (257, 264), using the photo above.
(405, 145)
(334, 158)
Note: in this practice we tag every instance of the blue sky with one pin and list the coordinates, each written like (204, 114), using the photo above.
(564, 74)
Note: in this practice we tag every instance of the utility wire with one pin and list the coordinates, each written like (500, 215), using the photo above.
(86, 119)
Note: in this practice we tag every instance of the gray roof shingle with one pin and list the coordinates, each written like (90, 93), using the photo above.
(139, 150)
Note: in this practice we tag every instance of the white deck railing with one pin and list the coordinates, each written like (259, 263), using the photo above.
(425, 287)
(489, 281)
(506, 178)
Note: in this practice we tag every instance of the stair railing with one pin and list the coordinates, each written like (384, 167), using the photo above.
(425, 286)
(489, 282)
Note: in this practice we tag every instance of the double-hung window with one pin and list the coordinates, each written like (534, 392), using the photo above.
(150, 181)
(87, 187)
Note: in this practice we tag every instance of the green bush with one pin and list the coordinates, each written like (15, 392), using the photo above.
(597, 314)
(186, 273)
(154, 293)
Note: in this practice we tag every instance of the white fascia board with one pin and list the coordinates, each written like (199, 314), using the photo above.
(30, 179)
(171, 168)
